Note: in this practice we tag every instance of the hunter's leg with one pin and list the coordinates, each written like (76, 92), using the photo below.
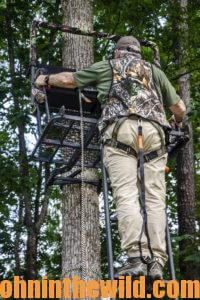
(122, 170)
(155, 190)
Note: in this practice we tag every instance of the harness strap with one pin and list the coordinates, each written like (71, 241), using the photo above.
(116, 144)
(162, 135)
(116, 128)
(130, 151)
(154, 154)
(113, 142)
(142, 195)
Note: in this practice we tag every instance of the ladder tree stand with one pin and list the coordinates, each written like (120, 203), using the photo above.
(60, 125)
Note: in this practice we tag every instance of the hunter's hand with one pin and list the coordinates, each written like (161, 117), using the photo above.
(85, 98)
(174, 124)
(40, 81)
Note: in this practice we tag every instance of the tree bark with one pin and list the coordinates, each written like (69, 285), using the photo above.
(185, 157)
(77, 49)
(78, 53)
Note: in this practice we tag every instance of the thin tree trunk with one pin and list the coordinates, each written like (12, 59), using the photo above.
(185, 158)
(23, 161)
(78, 53)
(17, 240)
(32, 226)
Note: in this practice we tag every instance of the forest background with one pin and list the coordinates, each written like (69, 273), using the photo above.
(30, 222)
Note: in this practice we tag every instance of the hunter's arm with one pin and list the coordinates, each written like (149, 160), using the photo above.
(168, 93)
(63, 80)
(179, 110)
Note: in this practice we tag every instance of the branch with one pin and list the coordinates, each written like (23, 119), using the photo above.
(185, 73)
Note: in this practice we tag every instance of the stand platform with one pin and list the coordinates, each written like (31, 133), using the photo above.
(59, 131)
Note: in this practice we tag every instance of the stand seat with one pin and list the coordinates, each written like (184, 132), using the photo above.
(68, 98)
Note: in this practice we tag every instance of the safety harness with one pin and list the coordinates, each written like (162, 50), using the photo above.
(113, 142)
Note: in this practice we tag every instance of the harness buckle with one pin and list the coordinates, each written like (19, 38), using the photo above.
(139, 122)
(113, 143)
(128, 150)
(147, 158)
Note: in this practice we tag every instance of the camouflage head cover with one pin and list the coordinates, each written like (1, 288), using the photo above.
(128, 43)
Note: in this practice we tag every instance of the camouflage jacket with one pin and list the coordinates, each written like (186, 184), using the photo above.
(132, 92)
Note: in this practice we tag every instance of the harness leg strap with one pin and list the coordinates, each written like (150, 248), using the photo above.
(142, 193)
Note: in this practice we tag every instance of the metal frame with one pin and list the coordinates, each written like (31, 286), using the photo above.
(107, 218)
(65, 121)
(59, 143)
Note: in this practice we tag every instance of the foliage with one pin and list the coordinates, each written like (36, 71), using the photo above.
(15, 111)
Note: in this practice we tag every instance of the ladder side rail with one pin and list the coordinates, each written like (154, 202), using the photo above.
(38, 117)
(107, 218)
(33, 58)
(46, 105)
(169, 252)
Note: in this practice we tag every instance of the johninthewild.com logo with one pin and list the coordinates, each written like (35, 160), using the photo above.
(125, 287)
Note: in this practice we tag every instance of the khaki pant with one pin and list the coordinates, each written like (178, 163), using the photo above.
(122, 170)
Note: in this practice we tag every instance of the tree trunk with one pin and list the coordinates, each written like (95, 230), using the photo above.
(77, 49)
(78, 53)
(185, 158)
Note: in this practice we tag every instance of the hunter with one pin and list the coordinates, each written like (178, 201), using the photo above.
(132, 92)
